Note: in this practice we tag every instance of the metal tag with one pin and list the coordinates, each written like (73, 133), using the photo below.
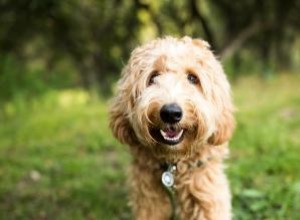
(167, 179)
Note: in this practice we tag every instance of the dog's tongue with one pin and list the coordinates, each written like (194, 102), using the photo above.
(171, 132)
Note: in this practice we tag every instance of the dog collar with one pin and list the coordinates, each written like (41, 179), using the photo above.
(167, 177)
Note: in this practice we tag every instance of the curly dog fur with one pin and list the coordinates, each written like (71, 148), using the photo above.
(173, 105)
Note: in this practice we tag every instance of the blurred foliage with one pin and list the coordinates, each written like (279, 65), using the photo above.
(92, 39)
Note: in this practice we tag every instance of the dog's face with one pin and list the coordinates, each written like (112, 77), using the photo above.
(172, 98)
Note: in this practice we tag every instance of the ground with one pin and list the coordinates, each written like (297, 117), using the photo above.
(59, 159)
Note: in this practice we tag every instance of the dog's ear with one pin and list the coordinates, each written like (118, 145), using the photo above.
(224, 128)
(186, 39)
(119, 111)
(220, 94)
(201, 43)
(119, 124)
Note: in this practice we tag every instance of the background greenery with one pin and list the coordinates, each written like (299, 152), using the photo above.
(59, 61)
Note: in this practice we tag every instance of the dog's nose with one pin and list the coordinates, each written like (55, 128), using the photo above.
(171, 113)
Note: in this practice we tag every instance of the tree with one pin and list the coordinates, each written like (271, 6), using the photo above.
(97, 35)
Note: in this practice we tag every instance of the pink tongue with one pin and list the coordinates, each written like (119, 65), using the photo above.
(171, 133)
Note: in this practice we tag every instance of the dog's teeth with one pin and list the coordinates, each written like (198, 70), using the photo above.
(180, 133)
(163, 133)
(176, 138)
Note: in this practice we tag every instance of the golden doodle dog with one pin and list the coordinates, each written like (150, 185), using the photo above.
(173, 108)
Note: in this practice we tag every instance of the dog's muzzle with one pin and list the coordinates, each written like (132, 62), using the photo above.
(171, 133)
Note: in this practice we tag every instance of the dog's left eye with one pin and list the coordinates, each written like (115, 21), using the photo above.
(192, 78)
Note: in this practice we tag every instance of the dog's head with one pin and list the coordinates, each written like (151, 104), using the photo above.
(172, 98)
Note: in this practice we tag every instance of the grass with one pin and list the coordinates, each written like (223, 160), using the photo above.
(264, 165)
(59, 160)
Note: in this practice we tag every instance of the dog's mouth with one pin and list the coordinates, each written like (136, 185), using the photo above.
(170, 135)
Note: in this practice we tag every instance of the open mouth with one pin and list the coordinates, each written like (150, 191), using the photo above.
(170, 135)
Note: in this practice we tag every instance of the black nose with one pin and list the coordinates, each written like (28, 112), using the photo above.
(171, 113)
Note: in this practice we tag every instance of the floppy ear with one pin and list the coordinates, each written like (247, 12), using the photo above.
(221, 98)
(225, 126)
(119, 124)
(119, 111)
(201, 43)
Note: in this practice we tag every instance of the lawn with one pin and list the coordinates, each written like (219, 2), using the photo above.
(58, 159)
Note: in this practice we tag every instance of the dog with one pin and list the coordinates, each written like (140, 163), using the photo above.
(174, 110)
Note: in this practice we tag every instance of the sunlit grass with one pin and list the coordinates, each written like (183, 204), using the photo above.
(59, 160)
(264, 165)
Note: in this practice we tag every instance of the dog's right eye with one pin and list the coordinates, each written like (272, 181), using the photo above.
(152, 77)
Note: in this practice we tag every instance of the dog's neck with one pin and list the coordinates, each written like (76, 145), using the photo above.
(143, 158)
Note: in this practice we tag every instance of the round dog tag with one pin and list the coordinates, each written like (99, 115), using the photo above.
(167, 179)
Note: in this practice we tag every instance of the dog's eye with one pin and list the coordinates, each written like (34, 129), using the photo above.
(152, 77)
(192, 78)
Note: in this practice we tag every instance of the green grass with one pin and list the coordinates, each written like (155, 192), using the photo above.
(265, 160)
(58, 159)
